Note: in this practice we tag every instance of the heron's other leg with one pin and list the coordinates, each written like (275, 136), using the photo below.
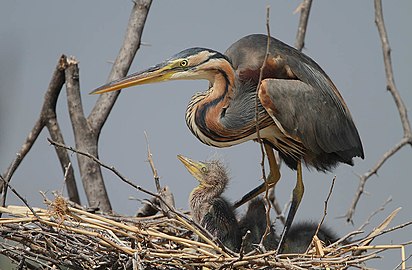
(271, 180)
(296, 198)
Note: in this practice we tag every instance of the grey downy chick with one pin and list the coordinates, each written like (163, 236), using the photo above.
(300, 237)
(208, 207)
(255, 222)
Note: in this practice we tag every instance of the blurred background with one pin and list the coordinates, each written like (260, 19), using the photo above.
(341, 37)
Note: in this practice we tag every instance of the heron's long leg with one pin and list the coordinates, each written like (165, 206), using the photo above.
(271, 180)
(296, 198)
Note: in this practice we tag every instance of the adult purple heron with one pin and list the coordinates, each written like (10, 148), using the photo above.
(300, 111)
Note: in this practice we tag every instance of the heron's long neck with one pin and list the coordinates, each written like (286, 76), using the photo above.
(222, 80)
(205, 109)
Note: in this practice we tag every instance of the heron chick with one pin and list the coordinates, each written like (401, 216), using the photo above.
(255, 222)
(208, 207)
(301, 234)
(298, 239)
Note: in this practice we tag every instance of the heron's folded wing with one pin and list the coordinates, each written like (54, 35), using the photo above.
(312, 116)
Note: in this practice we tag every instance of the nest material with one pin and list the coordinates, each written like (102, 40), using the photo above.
(65, 236)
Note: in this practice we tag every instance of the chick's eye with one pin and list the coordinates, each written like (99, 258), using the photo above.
(184, 63)
(204, 169)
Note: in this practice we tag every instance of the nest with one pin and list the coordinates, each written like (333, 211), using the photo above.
(66, 236)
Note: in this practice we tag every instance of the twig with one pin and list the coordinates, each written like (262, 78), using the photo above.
(7, 185)
(326, 205)
(95, 159)
(304, 9)
(6, 180)
(152, 166)
(379, 229)
(391, 87)
(367, 221)
(66, 173)
(163, 192)
(276, 206)
(245, 239)
(262, 162)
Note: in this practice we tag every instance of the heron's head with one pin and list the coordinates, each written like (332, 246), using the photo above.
(190, 64)
(211, 174)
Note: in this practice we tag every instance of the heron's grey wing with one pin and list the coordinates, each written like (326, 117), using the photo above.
(311, 116)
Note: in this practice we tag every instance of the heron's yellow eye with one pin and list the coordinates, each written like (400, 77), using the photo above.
(204, 170)
(184, 63)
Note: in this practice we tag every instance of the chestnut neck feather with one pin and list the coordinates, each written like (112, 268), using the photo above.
(225, 113)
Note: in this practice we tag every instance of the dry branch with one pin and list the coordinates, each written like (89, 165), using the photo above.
(47, 119)
(391, 87)
(121, 66)
(86, 139)
(304, 9)
(86, 130)
(325, 208)
(262, 161)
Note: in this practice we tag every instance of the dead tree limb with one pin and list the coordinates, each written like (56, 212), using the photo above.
(304, 9)
(391, 87)
(85, 139)
(87, 130)
(131, 44)
(47, 118)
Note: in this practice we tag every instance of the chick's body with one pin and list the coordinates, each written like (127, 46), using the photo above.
(207, 205)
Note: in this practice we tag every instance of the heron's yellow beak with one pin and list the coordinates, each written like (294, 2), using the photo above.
(194, 167)
(158, 73)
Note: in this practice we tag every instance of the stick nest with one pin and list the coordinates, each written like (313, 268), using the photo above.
(67, 236)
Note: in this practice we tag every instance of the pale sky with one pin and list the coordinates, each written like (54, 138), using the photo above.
(342, 38)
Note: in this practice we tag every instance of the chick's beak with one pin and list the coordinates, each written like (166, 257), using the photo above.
(194, 167)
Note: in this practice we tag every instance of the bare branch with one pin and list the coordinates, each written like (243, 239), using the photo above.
(262, 162)
(304, 9)
(131, 44)
(276, 206)
(96, 160)
(163, 192)
(390, 81)
(326, 205)
(87, 131)
(367, 221)
(152, 166)
(48, 118)
(86, 140)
